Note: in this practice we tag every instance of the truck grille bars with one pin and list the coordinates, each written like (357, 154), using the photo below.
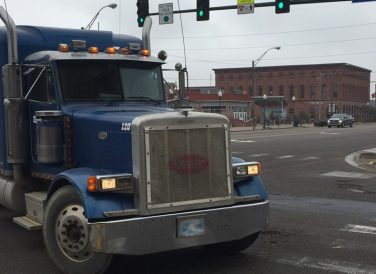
(187, 165)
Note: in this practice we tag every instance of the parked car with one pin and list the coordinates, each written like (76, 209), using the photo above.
(320, 123)
(340, 120)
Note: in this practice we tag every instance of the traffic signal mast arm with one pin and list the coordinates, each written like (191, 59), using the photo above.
(257, 5)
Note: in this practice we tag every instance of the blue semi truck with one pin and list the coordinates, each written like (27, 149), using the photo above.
(91, 154)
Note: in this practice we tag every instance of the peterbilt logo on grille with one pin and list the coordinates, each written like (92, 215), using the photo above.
(189, 164)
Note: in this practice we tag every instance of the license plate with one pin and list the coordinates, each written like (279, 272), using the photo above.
(191, 226)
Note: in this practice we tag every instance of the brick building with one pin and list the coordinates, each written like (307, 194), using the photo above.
(311, 92)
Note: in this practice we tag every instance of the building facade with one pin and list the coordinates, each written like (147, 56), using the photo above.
(311, 92)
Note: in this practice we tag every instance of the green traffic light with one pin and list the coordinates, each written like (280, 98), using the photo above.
(200, 13)
(142, 20)
(280, 5)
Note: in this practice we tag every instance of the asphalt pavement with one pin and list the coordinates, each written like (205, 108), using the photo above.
(364, 159)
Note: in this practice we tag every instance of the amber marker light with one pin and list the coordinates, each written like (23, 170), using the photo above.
(92, 184)
(124, 51)
(63, 48)
(94, 50)
(110, 50)
(145, 52)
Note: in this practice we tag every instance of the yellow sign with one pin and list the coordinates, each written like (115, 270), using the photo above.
(246, 6)
(242, 2)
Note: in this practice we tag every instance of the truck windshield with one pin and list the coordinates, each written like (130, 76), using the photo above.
(115, 81)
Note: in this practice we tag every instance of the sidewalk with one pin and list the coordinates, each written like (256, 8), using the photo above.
(271, 127)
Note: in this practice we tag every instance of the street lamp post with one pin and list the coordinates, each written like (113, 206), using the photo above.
(254, 63)
(264, 97)
(220, 93)
(112, 6)
(293, 111)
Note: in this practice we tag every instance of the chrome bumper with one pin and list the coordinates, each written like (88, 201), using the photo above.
(151, 234)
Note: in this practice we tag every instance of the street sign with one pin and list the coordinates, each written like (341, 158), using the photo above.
(246, 6)
(166, 14)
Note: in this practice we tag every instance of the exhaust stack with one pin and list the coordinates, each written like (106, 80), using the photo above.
(146, 33)
(12, 190)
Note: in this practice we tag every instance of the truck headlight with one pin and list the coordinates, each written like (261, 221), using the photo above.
(246, 169)
(110, 183)
(340, 121)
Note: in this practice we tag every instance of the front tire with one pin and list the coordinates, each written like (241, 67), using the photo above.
(66, 237)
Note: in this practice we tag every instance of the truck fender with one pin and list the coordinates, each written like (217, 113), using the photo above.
(252, 185)
(95, 204)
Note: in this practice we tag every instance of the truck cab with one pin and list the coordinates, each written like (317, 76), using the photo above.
(92, 155)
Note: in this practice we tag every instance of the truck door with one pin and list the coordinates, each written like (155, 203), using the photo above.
(39, 91)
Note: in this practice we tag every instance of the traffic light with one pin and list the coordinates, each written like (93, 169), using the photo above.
(202, 12)
(282, 6)
(142, 11)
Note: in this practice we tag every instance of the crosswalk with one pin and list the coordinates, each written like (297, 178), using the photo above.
(348, 230)
(280, 157)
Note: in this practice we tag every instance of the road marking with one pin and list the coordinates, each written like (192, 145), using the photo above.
(258, 155)
(354, 175)
(328, 265)
(359, 229)
(237, 152)
(309, 158)
(355, 190)
(329, 133)
(241, 141)
(282, 135)
(284, 157)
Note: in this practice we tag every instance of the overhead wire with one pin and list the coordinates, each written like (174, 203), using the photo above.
(282, 45)
(268, 33)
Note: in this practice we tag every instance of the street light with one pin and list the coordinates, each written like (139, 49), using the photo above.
(254, 64)
(293, 110)
(220, 93)
(264, 97)
(112, 6)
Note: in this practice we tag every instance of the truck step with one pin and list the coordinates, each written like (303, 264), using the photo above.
(27, 223)
(39, 197)
(35, 205)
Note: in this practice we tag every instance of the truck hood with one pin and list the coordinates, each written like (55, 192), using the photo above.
(101, 134)
(111, 115)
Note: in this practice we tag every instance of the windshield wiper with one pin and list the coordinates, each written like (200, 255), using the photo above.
(142, 98)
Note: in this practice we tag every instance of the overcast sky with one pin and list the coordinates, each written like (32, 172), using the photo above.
(339, 32)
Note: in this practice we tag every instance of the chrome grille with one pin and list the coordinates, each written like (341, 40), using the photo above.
(186, 166)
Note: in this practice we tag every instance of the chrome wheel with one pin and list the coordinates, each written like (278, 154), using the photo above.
(72, 233)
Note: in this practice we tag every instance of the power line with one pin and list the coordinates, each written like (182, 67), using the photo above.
(269, 33)
(280, 58)
(282, 45)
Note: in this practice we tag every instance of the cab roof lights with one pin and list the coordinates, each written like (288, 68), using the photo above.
(63, 48)
(93, 50)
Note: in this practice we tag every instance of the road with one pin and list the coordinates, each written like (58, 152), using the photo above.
(322, 212)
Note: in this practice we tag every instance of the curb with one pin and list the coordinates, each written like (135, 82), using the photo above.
(364, 159)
